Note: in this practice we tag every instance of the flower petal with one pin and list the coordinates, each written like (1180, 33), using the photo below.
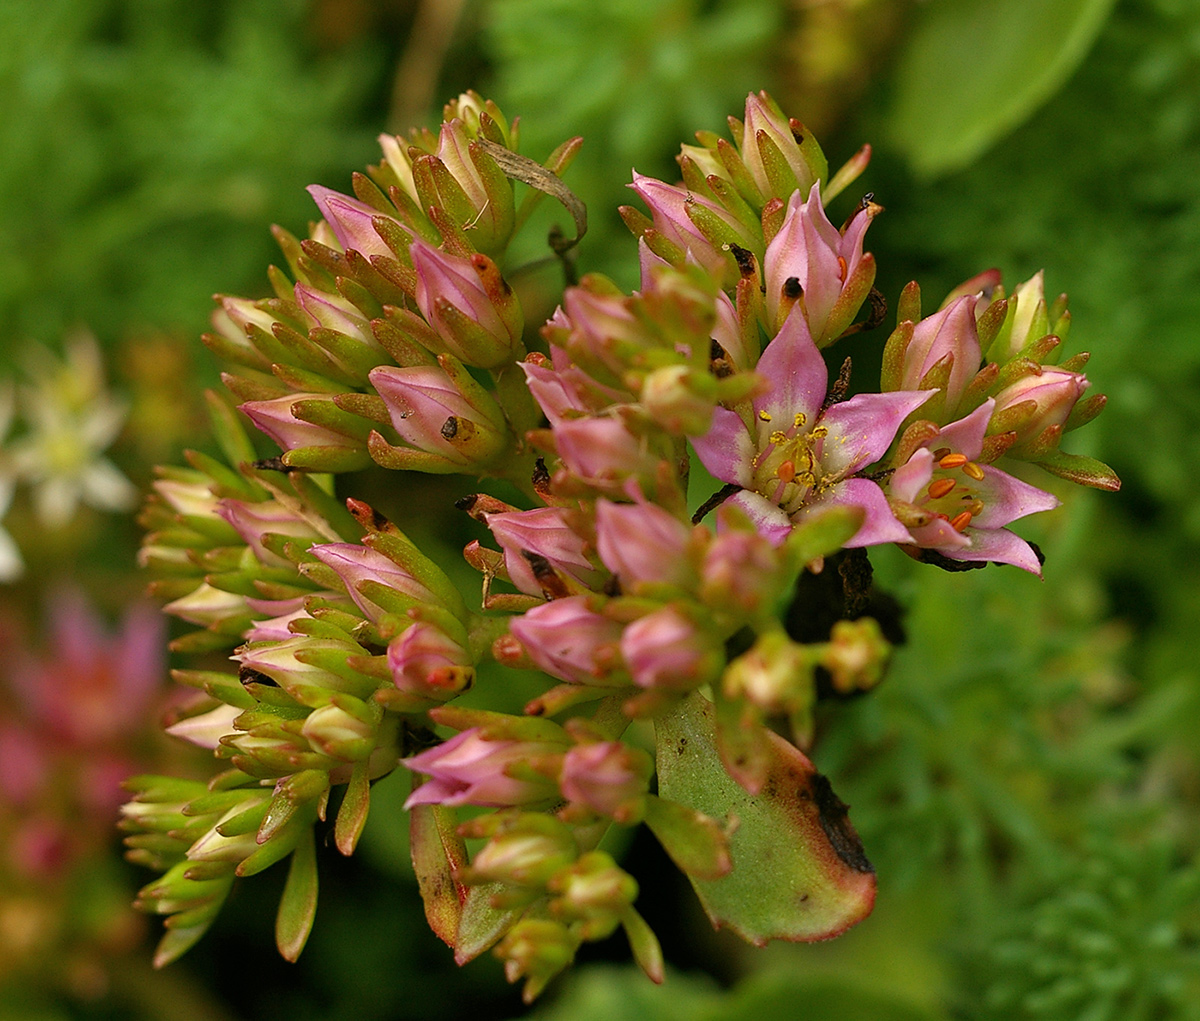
(1000, 546)
(727, 449)
(862, 428)
(1006, 498)
(770, 520)
(796, 371)
(879, 525)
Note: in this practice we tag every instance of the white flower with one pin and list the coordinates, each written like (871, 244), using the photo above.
(71, 420)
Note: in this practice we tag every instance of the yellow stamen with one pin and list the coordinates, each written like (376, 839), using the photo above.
(953, 460)
(976, 508)
(764, 416)
(779, 436)
(973, 470)
(799, 419)
(940, 488)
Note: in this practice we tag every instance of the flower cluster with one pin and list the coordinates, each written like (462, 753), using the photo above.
(638, 585)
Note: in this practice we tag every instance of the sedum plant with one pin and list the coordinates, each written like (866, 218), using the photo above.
(675, 492)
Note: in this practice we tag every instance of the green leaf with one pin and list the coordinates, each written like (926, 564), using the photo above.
(799, 872)
(298, 905)
(437, 852)
(480, 924)
(973, 70)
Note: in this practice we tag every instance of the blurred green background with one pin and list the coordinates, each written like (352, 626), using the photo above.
(1026, 781)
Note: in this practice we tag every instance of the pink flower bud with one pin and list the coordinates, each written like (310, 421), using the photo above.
(334, 312)
(666, 649)
(669, 209)
(540, 533)
(603, 451)
(569, 640)
(609, 777)
(1048, 397)
(425, 661)
(764, 117)
(742, 570)
(254, 520)
(431, 412)
(357, 564)
(350, 220)
(275, 418)
(468, 769)
(948, 333)
(642, 544)
(469, 304)
(810, 263)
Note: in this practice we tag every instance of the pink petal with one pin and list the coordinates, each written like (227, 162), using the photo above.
(966, 435)
(770, 520)
(880, 524)
(727, 449)
(862, 428)
(1006, 498)
(999, 546)
(796, 371)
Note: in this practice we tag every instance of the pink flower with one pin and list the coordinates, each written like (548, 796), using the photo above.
(609, 777)
(667, 649)
(425, 661)
(808, 263)
(672, 208)
(540, 533)
(793, 459)
(642, 544)
(966, 505)
(569, 640)
(468, 769)
(949, 335)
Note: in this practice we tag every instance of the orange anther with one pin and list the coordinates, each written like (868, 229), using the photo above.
(960, 521)
(938, 454)
(975, 507)
(973, 470)
(953, 460)
(841, 268)
(940, 488)
(786, 471)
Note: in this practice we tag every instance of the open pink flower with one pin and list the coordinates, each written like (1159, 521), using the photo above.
(967, 504)
(793, 458)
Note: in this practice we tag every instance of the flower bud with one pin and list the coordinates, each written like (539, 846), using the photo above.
(680, 399)
(253, 521)
(351, 221)
(469, 769)
(946, 342)
(277, 418)
(469, 304)
(775, 674)
(532, 536)
(593, 891)
(603, 452)
(608, 777)
(524, 850)
(667, 649)
(536, 949)
(360, 568)
(1036, 407)
(569, 640)
(777, 162)
(339, 734)
(445, 415)
(809, 263)
(642, 544)
(425, 661)
(856, 656)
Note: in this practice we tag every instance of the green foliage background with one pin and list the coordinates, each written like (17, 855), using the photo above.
(1026, 780)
